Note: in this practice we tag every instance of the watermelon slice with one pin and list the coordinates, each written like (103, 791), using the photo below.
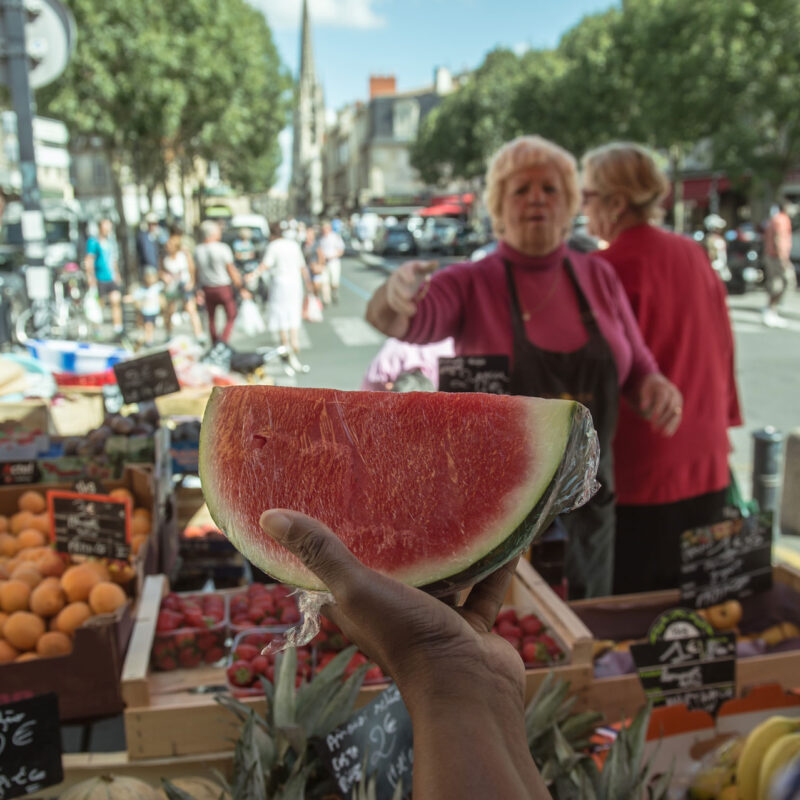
(433, 489)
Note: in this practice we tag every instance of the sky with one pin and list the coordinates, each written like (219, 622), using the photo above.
(353, 39)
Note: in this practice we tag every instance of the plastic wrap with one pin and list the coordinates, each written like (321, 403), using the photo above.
(574, 483)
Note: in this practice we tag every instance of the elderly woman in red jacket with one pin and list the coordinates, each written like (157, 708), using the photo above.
(664, 485)
(556, 322)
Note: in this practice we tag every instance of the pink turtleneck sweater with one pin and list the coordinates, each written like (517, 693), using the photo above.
(470, 302)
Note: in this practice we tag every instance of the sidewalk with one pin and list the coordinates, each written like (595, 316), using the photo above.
(756, 301)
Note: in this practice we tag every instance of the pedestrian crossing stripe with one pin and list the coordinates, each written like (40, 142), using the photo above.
(356, 331)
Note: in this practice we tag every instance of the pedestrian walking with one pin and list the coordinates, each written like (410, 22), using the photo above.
(147, 244)
(102, 271)
(178, 275)
(150, 301)
(331, 246)
(316, 267)
(778, 269)
(217, 277)
(286, 267)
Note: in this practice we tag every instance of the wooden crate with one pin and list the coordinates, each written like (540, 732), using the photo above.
(622, 696)
(174, 713)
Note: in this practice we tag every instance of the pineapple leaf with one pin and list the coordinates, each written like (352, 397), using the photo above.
(660, 787)
(295, 735)
(578, 727)
(173, 792)
(235, 706)
(269, 689)
(283, 709)
(341, 705)
(295, 786)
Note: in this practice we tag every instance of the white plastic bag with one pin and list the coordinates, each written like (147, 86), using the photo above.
(312, 310)
(249, 321)
(92, 308)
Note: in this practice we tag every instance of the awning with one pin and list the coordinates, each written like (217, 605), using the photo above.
(442, 210)
(699, 190)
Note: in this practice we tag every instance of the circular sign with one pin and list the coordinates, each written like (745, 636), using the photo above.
(49, 39)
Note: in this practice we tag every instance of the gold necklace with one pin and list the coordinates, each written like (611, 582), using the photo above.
(526, 315)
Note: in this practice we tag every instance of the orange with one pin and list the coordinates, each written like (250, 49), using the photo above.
(71, 617)
(32, 501)
(49, 563)
(140, 526)
(107, 597)
(100, 568)
(30, 537)
(27, 572)
(29, 656)
(47, 599)
(121, 572)
(42, 523)
(21, 520)
(23, 629)
(3, 618)
(122, 494)
(8, 545)
(137, 541)
(725, 616)
(7, 652)
(54, 643)
(14, 596)
(78, 581)
(3, 523)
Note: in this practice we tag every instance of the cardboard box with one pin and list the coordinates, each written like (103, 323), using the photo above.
(622, 696)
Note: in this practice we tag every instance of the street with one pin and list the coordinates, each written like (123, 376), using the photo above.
(339, 349)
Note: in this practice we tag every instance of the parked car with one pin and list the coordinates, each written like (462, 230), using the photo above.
(396, 241)
(439, 235)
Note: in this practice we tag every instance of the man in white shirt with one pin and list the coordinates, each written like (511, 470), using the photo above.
(332, 248)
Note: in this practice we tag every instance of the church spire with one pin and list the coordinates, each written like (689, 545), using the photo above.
(307, 74)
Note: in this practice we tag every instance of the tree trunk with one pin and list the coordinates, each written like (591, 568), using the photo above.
(122, 227)
(675, 158)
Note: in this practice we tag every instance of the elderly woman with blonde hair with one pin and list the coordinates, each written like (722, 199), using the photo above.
(556, 322)
(664, 486)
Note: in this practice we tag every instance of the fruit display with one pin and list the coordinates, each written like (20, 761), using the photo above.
(263, 605)
(141, 424)
(247, 664)
(190, 630)
(44, 598)
(530, 637)
(743, 768)
(450, 485)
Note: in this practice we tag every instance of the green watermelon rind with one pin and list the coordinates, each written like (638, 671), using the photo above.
(512, 536)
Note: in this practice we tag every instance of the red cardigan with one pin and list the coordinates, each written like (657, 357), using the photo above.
(679, 303)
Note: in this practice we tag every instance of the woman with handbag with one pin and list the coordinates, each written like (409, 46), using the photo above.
(664, 485)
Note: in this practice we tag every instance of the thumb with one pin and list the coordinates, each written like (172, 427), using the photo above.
(317, 547)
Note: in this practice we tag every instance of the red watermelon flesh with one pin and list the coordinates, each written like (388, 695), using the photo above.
(433, 489)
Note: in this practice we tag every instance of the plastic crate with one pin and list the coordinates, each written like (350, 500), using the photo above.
(79, 358)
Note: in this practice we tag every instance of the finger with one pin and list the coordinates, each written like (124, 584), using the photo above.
(425, 267)
(320, 550)
(486, 598)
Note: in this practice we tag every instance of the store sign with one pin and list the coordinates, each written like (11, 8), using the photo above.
(376, 743)
(487, 374)
(30, 746)
(15, 472)
(90, 524)
(684, 661)
(146, 378)
(731, 559)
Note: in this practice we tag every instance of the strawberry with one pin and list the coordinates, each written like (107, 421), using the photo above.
(168, 621)
(193, 618)
(508, 629)
(259, 665)
(240, 673)
(167, 662)
(507, 615)
(531, 625)
(171, 602)
(535, 653)
(185, 641)
(213, 654)
(246, 652)
(290, 615)
(189, 658)
(550, 644)
(205, 641)
(374, 673)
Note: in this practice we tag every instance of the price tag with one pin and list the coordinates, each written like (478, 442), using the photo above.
(30, 746)
(15, 472)
(87, 485)
(146, 378)
(90, 524)
(686, 662)
(731, 559)
(376, 742)
(488, 374)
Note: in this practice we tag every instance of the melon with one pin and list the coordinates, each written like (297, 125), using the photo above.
(433, 489)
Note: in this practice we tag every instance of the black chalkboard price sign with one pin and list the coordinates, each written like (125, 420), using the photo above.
(90, 524)
(488, 374)
(146, 378)
(377, 743)
(686, 662)
(731, 559)
(30, 746)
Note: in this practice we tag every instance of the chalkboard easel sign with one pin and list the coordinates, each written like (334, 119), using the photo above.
(487, 374)
(30, 746)
(731, 559)
(377, 742)
(148, 377)
(686, 662)
(90, 524)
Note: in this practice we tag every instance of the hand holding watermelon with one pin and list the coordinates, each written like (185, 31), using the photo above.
(462, 684)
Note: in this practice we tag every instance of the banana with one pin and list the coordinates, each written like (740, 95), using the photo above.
(779, 754)
(756, 746)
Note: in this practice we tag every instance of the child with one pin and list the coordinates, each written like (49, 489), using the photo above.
(149, 301)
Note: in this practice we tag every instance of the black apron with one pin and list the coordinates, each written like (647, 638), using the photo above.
(588, 375)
